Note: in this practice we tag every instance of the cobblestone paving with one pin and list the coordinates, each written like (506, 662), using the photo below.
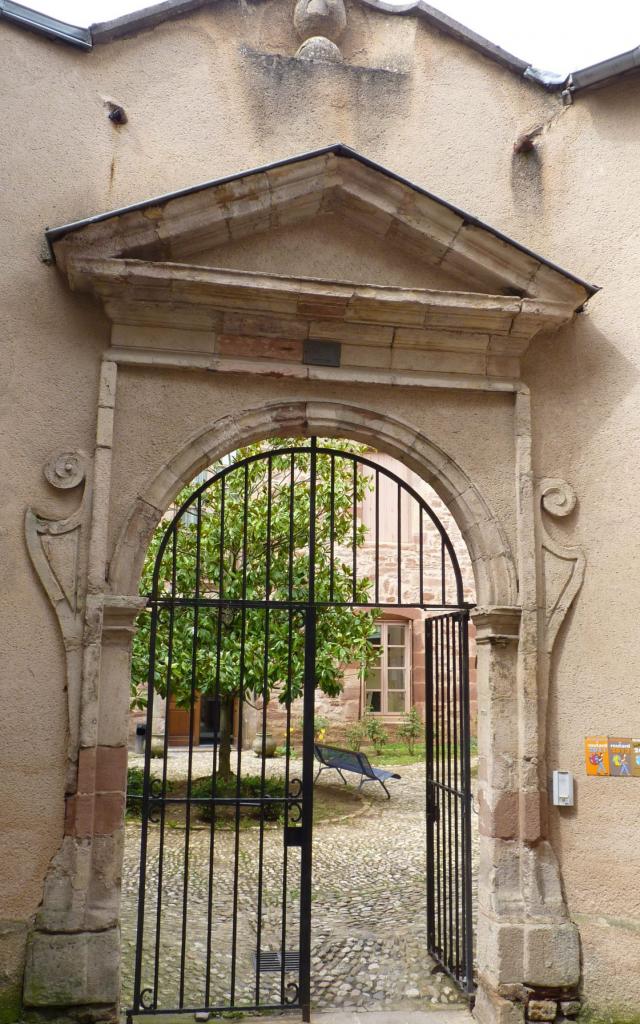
(369, 919)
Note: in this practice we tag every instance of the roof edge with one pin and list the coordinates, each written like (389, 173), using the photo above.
(593, 76)
(146, 18)
(52, 235)
(453, 28)
(605, 71)
(47, 26)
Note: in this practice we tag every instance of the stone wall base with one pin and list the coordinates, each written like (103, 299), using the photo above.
(75, 976)
(517, 1004)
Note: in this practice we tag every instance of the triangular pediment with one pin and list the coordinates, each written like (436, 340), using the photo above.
(323, 260)
(369, 199)
(327, 247)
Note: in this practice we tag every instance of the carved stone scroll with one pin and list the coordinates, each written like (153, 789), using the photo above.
(563, 566)
(56, 550)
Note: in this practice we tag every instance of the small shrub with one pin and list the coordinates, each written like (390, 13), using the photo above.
(135, 789)
(376, 733)
(250, 786)
(355, 735)
(410, 730)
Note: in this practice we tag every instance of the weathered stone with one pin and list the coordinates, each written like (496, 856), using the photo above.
(320, 18)
(570, 1007)
(542, 1009)
(552, 955)
(74, 969)
(319, 48)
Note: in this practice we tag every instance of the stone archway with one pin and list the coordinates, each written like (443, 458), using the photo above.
(462, 338)
(524, 938)
(494, 567)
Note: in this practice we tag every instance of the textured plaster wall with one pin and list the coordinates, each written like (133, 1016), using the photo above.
(207, 96)
(586, 396)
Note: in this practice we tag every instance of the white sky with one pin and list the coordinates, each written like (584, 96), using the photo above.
(556, 35)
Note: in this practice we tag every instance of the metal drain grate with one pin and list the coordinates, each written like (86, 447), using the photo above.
(272, 961)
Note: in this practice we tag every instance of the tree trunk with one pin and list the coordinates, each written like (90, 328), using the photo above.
(224, 752)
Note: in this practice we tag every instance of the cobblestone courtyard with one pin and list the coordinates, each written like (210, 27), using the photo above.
(369, 899)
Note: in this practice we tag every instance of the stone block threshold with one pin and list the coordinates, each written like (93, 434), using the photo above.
(439, 1015)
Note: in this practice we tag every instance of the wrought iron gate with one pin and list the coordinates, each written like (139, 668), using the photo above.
(246, 575)
(449, 800)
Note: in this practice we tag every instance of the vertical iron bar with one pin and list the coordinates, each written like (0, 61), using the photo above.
(216, 740)
(421, 556)
(292, 470)
(192, 698)
(243, 639)
(466, 809)
(137, 983)
(165, 745)
(285, 855)
(450, 623)
(436, 760)
(307, 756)
(428, 639)
(377, 556)
(399, 567)
(456, 786)
(332, 512)
(354, 578)
(265, 686)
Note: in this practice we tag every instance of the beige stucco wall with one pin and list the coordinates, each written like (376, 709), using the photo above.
(202, 103)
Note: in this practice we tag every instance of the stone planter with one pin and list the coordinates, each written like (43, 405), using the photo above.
(270, 745)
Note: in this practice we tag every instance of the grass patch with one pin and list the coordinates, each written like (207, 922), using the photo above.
(329, 802)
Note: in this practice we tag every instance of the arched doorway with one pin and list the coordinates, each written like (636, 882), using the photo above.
(252, 580)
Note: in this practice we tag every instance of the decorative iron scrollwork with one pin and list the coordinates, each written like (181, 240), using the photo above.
(146, 999)
(291, 994)
(295, 806)
(155, 788)
(154, 815)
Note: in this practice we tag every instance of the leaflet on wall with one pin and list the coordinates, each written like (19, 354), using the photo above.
(620, 756)
(596, 752)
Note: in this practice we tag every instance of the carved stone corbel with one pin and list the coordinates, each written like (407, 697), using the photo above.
(57, 551)
(563, 566)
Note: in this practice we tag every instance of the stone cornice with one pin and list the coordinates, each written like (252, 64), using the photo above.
(221, 316)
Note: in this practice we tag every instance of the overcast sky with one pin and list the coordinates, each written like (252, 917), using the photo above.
(556, 35)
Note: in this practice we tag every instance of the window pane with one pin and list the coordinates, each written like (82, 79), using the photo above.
(373, 679)
(396, 679)
(395, 701)
(373, 700)
(396, 657)
(395, 636)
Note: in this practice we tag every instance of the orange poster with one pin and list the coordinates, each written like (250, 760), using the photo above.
(635, 761)
(620, 756)
(596, 755)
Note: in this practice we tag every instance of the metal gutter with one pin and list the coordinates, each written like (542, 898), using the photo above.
(605, 71)
(45, 25)
(339, 149)
(141, 20)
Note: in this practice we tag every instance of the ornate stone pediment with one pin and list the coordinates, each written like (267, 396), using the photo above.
(164, 271)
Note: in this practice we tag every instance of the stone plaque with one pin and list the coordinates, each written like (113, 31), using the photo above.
(596, 755)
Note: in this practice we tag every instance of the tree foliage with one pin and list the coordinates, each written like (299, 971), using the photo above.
(244, 537)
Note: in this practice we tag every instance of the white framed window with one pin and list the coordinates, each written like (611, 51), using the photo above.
(387, 685)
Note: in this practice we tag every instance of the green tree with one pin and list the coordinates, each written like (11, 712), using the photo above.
(253, 544)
